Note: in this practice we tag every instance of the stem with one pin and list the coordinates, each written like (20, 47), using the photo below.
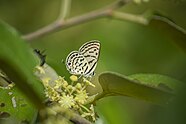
(77, 119)
(85, 108)
(65, 9)
(171, 23)
(130, 17)
(68, 114)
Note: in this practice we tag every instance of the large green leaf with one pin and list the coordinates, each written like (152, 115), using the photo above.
(155, 88)
(168, 28)
(165, 16)
(174, 9)
(18, 61)
(158, 81)
(16, 107)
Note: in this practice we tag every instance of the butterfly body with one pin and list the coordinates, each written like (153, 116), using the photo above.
(84, 61)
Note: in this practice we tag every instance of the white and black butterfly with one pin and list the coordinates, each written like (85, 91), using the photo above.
(84, 61)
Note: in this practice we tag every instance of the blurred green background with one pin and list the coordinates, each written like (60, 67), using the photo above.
(126, 47)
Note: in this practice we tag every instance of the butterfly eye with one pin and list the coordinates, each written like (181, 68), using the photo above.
(84, 61)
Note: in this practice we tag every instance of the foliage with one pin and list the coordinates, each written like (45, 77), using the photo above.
(155, 88)
(25, 84)
(15, 106)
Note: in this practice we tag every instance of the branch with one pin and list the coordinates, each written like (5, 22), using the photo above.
(77, 119)
(130, 17)
(108, 11)
(70, 115)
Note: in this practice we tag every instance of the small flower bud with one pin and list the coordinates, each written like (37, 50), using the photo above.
(65, 84)
(73, 78)
(69, 87)
(78, 86)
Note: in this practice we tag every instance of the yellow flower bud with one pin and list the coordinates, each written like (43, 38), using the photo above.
(73, 78)
(65, 84)
(78, 86)
(40, 70)
(69, 87)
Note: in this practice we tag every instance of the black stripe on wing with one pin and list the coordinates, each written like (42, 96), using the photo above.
(88, 44)
(89, 72)
(91, 50)
(70, 61)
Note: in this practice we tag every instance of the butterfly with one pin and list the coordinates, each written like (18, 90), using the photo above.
(84, 61)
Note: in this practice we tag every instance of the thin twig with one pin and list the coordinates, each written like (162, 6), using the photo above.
(130, 17)
(65, 9)
(96, 14)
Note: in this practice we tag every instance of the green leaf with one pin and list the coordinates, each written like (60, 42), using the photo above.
(17, 60)
(169, 22)
(157, 89)
(16, 106)
(168, 28)
(166, 16)
(158, 81)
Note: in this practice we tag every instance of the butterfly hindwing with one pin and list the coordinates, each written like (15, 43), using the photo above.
(76, 63)
(84, 61)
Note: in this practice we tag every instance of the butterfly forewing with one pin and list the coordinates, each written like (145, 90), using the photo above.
(76, 63)
(84, 61)
(90, 51)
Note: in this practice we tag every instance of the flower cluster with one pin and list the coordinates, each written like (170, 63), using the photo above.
(70, 95)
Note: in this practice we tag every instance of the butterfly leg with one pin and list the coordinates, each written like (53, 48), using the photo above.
(80, 77)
